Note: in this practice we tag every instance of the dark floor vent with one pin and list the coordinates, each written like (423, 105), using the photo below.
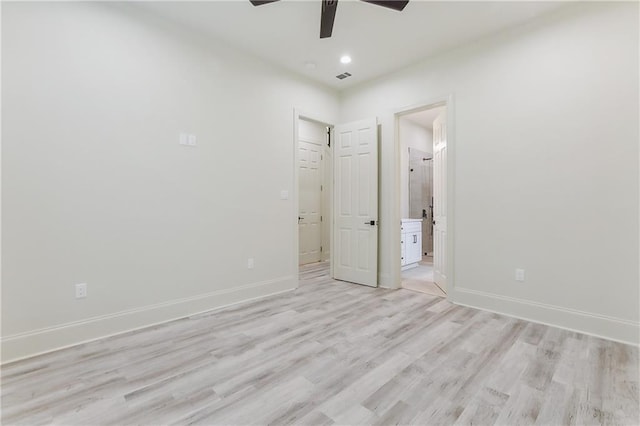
(343, 75)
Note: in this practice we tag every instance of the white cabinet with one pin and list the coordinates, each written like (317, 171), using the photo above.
(414, 247)
(411, 242)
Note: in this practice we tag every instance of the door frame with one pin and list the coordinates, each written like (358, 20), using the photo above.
(396, 217)
(295, 198)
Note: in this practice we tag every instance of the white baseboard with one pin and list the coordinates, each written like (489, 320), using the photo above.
(610, 328)
(36, 342)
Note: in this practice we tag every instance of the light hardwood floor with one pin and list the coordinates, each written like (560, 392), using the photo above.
(332, 353)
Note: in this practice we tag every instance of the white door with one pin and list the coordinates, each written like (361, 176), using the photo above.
(440, 201)
(310, 202)
(355, 251)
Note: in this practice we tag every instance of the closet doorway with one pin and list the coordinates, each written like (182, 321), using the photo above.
(314, 171)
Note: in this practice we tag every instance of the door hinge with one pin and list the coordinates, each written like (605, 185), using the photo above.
(320, 218)
(320, 187)
(320, 249)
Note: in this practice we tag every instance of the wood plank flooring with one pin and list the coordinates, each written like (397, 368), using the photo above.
(331, 353)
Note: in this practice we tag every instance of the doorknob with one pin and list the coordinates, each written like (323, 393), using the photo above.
(300, 218)
(371, 222)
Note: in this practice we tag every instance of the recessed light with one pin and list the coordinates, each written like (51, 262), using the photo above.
(345, 59)
(310, 65)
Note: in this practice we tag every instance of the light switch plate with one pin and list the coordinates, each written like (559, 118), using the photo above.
(187, 139)
(184, 139)
(284, 194)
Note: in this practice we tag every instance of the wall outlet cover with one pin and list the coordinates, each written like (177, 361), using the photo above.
(81, 291)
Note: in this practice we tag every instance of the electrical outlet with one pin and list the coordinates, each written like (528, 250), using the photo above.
(520, 275)
(81, 291)
(250, 263)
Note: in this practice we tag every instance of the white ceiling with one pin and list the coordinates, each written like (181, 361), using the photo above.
(379, 40)
(425, 117)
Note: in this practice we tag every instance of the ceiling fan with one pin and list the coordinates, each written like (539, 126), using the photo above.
(329, 11)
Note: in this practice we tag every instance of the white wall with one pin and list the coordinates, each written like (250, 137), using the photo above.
(415, 136)
(97, 189)
(546, 166)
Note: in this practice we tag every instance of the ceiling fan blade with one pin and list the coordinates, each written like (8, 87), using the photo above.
(328, 16)
(261, 2)
(391, 4)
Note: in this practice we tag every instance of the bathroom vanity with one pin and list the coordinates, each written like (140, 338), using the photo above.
(411, 242)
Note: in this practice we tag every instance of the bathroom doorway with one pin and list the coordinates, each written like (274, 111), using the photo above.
(418, 132)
